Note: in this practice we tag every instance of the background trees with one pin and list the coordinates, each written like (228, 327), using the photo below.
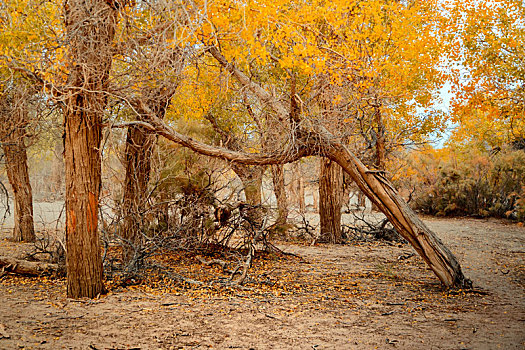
(26, 32)
(15, 120)
(489, 46)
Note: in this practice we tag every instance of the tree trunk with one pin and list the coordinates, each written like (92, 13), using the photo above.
(251, 178)
(297, 187)
(280, 193)
(90, 57)
(139, 148)
(18, 175)
(27, 268)
(14, 121)
(83, 181)
(383, 195)
(330, 201)
(380, 148)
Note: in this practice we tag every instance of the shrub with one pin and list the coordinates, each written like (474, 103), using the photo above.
(470, 182)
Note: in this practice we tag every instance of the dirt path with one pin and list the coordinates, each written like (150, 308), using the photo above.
(344, 297)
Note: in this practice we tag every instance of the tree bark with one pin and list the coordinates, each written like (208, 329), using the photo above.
(14, 120)
(18, 175)
(90, 26)
(280, 193)
(330, 201)
(251, 178)
(139, 148)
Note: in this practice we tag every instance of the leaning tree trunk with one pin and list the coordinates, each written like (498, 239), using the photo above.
(384, 196)
(330, 201)
(280, 193)
(18, 175)
(139, 148)
(90, 27)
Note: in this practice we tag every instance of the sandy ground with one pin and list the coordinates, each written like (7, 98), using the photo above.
(366, 296)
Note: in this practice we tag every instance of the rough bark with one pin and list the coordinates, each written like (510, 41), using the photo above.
(139, 148)
(90, 26)
(27, 268)
(330, 201)
(280, 193)
(17, 172)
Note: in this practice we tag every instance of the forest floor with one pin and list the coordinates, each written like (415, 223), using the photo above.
(365, 296)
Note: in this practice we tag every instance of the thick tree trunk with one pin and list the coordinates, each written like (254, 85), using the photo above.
(330, 201)
(139, 148)
(251, 178)
(280, 193)
(18, 175)
(90, 57)
(83, 181)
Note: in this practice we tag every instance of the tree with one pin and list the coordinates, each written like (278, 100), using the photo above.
(315, 140)
(90, 27)
(26, 29)
(305, 47)
(301, 131)
(359, 71)
(487, 46)
(14, 122)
